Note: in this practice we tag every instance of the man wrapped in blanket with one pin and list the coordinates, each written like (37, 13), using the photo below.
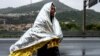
(43, 37)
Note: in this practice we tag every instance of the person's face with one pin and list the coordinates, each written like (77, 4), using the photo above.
(52, 11)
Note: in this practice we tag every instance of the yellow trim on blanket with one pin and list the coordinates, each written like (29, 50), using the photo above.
(33, 49)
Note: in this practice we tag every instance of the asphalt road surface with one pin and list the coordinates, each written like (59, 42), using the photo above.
(68, 46)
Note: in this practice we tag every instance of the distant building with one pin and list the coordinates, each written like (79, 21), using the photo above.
(18, 27)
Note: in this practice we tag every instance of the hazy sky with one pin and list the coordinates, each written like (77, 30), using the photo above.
(77, 4)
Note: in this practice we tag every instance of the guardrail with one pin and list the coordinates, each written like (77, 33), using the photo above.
(81, 34)
(65, 33)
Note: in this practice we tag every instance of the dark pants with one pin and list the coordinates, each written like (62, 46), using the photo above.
(44, 51)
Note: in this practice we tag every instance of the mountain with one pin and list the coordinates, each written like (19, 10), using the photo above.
(64, 13)
(37, 6)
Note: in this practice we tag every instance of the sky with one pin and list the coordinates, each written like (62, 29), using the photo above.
(77, 4)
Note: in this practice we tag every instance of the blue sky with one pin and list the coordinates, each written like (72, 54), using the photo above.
(77, 4)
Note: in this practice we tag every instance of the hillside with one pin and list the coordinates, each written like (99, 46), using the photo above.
(64, 13)
(77, 16)
(6, 10)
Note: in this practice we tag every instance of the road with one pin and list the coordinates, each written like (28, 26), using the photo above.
(68, 46)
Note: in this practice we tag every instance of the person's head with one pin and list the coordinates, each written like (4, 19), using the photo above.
(52, 11)
(47, 12)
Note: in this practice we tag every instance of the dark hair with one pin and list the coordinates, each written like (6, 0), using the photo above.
(53, 4)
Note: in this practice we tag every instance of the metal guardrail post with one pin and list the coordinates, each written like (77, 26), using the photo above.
(83, 52)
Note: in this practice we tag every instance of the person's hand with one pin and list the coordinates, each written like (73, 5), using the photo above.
(53, 43)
